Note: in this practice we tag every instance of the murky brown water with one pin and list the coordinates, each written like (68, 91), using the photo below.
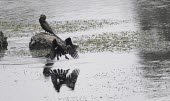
(129, 41)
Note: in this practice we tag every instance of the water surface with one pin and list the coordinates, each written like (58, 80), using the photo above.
(124, 49)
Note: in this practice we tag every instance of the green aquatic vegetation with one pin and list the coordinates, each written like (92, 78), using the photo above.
(107, 42)
(19, 53)
(82, 25)
(123, 41)
(17, 28)
(24, 52)
(40, 53)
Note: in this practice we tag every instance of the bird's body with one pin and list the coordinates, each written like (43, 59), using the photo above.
(59, 47)
(44, 24)
(56, 49)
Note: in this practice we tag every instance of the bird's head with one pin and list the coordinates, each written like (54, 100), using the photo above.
(42, 17)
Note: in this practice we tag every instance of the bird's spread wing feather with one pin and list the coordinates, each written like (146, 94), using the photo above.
(73, 52)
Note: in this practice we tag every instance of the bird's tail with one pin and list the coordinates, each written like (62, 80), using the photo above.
(60, 41)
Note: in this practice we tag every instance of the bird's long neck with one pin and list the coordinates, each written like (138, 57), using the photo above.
(41, 21)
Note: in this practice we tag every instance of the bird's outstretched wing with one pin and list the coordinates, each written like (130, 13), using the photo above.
(71, 48)
(73, 52)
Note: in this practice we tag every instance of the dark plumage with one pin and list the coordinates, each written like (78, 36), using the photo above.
(56, 49)
(68, 41)
(47, 71)
(71, 79)
(71, 48)
(59, 47)
(44, 24)
(58, 77)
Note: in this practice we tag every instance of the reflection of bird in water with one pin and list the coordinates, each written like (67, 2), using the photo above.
(47, 71)
(72, 79)
(60, 77)
(44, 24)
